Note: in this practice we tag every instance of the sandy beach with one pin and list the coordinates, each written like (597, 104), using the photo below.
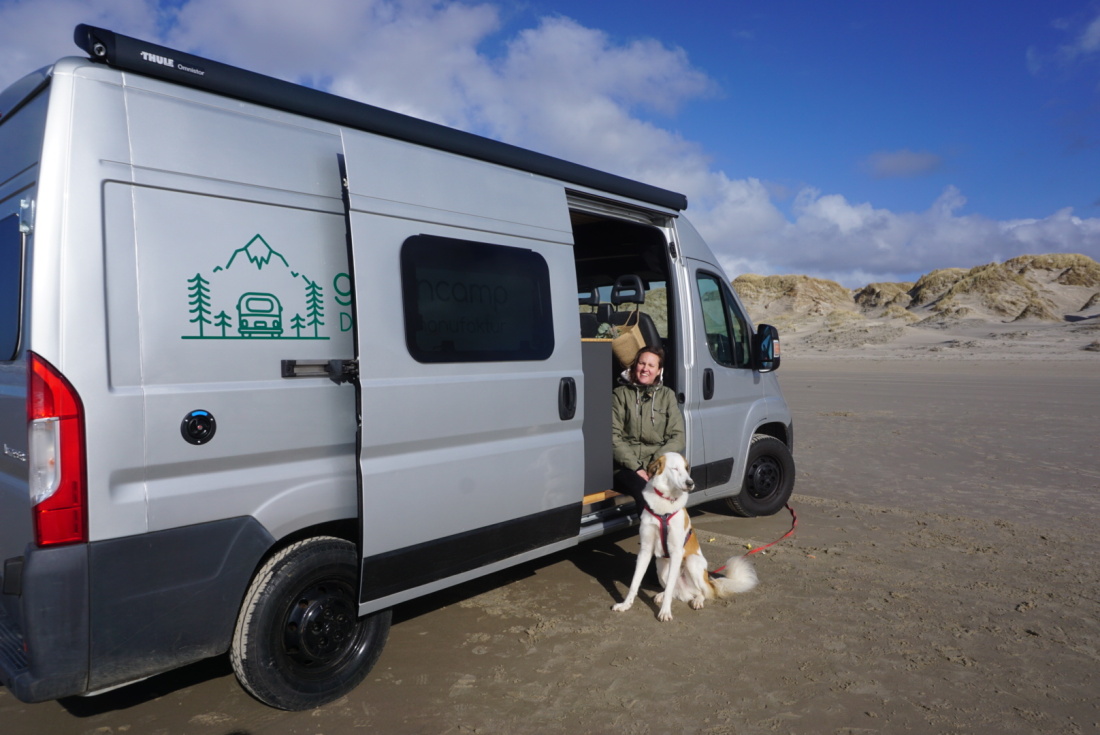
(944, 577)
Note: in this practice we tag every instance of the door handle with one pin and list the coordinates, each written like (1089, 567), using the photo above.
(708, 384)
(567, 399)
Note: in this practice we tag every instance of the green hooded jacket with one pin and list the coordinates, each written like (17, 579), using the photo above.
(645, 423)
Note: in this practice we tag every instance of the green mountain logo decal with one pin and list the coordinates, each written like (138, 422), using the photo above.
(267, 304)
(257, 252)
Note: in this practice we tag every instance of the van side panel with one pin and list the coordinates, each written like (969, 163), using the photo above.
(464, 462)
(96, 151)
(231, 208)
(283, 450)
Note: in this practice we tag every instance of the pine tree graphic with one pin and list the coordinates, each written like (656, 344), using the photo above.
(199, 301)
(315, 306)
(297, 324)
(222, 320)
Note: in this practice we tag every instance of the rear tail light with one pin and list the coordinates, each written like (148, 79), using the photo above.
(55, 419)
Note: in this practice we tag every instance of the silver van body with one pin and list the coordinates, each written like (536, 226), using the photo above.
(278, 316)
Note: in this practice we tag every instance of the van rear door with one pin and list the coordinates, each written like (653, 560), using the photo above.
(471, 453)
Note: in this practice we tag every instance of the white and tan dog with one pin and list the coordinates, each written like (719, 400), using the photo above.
(666, 532)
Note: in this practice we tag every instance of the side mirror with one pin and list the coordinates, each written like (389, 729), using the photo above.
(765, 348)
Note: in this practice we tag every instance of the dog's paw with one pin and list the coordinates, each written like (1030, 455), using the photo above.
(622, 606)
(697, 603)
(659, 599)
(664, 616)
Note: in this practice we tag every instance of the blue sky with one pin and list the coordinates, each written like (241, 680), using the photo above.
(831, 94)
(856, 140)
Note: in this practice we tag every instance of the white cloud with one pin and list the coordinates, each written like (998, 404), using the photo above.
(1086, 42)
(34, 33)
(418, 57)
(1062, 231)
(855, 243)
(570, 91)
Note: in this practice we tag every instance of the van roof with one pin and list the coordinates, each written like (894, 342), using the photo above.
(130, 54)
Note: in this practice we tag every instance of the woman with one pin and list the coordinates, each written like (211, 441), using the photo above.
(645, 422)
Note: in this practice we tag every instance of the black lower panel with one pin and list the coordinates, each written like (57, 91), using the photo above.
(160, 600)
(712, 474)
(394, 571)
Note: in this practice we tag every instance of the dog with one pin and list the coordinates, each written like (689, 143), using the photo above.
(666, 532)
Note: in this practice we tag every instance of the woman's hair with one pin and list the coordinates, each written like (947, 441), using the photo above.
(658, 351)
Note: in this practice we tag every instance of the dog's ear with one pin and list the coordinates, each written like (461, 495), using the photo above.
(656, 467)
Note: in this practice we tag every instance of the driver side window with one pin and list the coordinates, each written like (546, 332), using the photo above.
(726, 328)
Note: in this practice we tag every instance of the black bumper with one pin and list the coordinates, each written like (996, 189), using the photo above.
(48, 658)
(106, 613)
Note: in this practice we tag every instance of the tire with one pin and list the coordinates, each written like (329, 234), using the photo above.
(299, 642)
(769, 479)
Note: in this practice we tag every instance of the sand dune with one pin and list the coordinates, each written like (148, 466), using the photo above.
(1030, 307)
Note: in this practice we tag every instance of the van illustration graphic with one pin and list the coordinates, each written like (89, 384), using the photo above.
(259, 314)
(272, 299)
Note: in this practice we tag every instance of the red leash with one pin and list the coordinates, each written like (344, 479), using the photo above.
(794, 525)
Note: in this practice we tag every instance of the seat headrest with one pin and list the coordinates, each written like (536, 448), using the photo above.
(592, 298)
(628, 290)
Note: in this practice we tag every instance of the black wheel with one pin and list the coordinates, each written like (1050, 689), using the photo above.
(769, 479)
(299, 641)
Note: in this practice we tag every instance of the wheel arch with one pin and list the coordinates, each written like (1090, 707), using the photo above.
(344, 528)
(769, 477)
(782, 432)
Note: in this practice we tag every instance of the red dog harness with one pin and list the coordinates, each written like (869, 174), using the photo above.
(663, 520)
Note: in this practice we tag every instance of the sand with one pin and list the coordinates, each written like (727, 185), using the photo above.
(944, 578)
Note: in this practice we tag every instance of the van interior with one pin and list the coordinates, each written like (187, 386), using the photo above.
(609, 253)
(622, 267)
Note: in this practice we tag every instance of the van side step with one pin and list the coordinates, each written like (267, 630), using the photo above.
(606, 511)
(600, 497)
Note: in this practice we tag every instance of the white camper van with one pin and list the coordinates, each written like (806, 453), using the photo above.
(273, 361)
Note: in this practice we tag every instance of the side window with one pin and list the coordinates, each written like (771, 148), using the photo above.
(469, 301)
(11, 286)
(726, 329)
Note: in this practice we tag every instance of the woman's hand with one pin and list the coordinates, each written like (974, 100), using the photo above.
(643, 474)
